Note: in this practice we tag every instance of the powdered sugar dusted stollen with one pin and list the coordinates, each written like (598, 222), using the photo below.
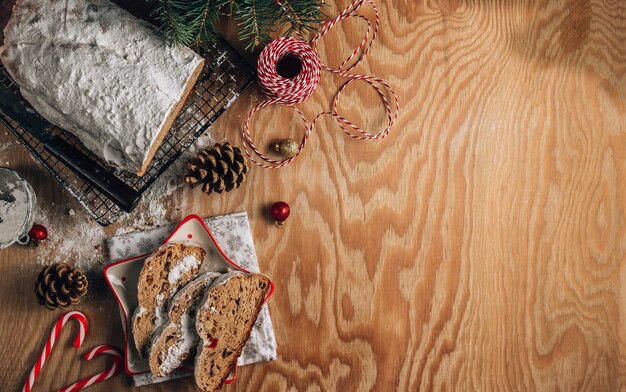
(176, 340)
(95, 70)
(164, 273)
(232, 232)
(224, 321)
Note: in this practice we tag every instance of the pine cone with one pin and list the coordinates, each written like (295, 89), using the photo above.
(219, 169)
(60, 285)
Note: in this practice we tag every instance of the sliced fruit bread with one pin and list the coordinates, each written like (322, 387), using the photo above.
(224, 321)
(177, 340)
(165, 272)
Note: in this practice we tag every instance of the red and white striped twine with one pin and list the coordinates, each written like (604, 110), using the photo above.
(292, 91)
(78, 341)
(288, 91)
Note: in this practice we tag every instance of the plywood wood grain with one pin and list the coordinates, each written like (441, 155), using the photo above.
(481, 246)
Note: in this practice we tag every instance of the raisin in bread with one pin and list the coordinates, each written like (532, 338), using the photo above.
(224, 321)
(176, 340)
(165, 272)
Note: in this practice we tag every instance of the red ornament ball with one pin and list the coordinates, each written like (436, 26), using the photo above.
(280, 212)
(38, 233)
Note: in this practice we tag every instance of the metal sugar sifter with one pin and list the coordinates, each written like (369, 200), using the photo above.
(17, 208)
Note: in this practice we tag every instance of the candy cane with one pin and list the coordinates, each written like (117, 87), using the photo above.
(94, 352)
(56, 331)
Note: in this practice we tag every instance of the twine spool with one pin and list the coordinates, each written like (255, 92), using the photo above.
(291, 88)
(281, 86)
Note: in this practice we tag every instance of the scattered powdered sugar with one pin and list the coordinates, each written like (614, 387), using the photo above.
(6, 146)
(153, 208)
(76, 239)
(220, 60)
(181, 268)
(80, 240)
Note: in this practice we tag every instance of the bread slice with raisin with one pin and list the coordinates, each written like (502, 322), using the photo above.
(165, 272)
(177, 340)
(224, 322)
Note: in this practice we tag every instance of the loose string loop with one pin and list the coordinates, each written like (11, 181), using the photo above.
(290, 91)
(271, 163)
(363, 48)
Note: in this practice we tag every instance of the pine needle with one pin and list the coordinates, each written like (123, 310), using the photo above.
(193, 22)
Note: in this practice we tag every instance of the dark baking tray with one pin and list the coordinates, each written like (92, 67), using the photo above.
(224, 77)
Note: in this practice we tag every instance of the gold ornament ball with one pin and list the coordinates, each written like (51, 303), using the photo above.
(288, 147)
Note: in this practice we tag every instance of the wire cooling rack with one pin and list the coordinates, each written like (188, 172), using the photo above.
(224, 77)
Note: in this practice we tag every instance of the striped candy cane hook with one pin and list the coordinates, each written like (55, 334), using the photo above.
(54, 335)
(94, 352)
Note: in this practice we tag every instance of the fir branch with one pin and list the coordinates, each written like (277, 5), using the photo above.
(253, 26)
(202, 17)
(256, 19)
(232, 6)
(291, 15)
(193, 22)
(300, 16)
(169, 14)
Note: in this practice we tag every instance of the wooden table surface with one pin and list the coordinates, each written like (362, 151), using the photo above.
(481, 246)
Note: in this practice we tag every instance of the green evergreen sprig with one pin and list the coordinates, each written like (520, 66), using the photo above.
(193, 22)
